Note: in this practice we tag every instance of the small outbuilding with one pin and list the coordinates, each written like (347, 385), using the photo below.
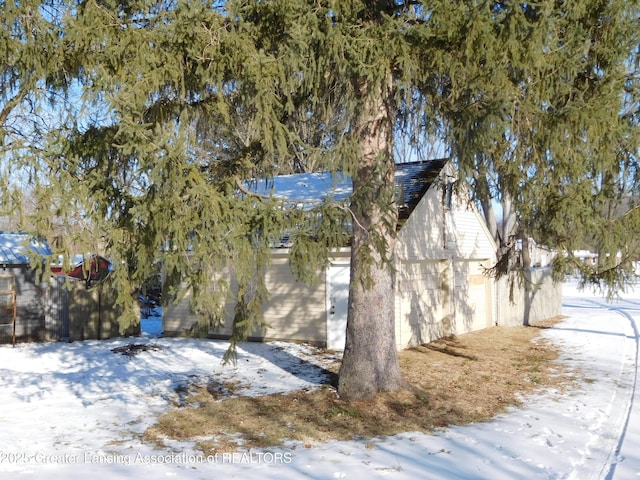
(23, 293)
(442, 249)
(39, 305)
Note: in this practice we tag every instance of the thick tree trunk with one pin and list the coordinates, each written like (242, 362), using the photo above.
(370, 361)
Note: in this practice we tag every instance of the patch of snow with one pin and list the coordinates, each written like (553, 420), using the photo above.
(151, 326)
(77, 411)
(304, 187)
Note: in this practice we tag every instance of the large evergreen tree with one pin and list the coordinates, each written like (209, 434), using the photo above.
(185, 102)
(559, 148)
(32, 78)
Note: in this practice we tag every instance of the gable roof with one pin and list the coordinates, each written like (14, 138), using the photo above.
(17, 247)
(412, 180)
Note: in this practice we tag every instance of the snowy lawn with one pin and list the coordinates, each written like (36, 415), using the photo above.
(78, 411)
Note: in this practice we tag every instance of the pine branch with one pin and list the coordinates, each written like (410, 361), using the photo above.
(248, 192)
(352, 214)
(631, 210)
(12, 103)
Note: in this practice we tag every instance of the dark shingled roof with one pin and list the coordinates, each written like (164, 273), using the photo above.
(412, 182)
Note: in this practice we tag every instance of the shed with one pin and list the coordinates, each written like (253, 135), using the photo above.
(50, 307)
(30, 292)
(443, 245)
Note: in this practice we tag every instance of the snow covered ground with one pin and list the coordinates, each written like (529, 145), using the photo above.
(76, 411)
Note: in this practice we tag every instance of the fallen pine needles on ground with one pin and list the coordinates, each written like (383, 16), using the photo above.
(454, 381)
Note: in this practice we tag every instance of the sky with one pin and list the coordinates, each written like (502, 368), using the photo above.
(77, 410)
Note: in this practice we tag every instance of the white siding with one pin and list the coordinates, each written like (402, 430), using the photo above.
(472, 298)
(435, 232)
(532, 299)
(441, 254)
(295, 311)
(420, 302)
(468, 234)
(439, 298)
(440, 286)
(177, 320)
(422, 235)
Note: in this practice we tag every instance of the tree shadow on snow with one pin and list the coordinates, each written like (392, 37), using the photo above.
(298, 366)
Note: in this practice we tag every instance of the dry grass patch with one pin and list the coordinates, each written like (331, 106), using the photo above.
(456, 380)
